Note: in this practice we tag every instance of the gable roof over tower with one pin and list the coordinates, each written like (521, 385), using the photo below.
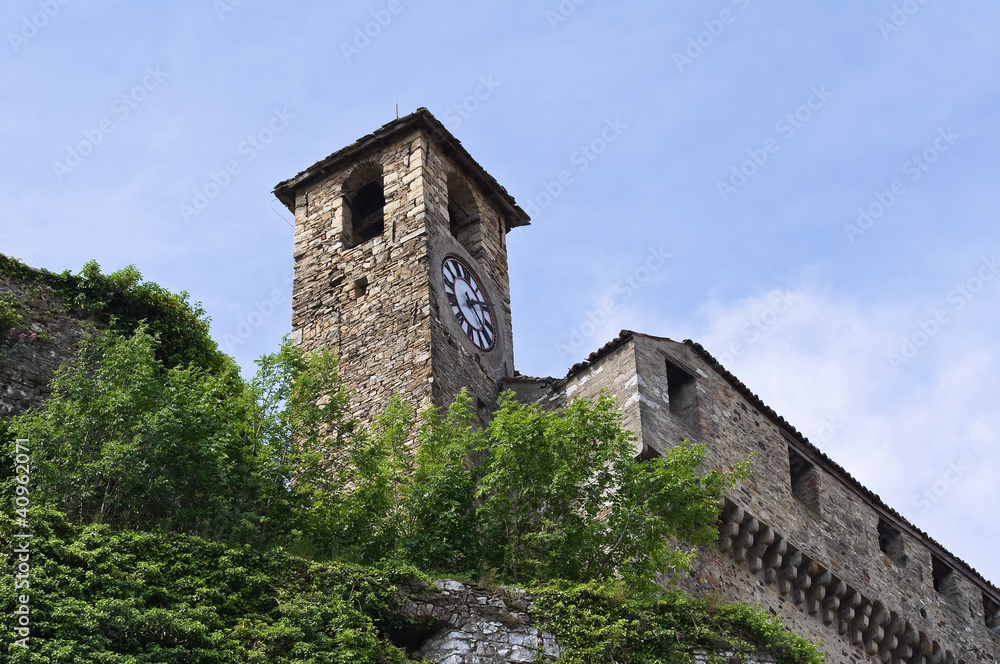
(389, 132)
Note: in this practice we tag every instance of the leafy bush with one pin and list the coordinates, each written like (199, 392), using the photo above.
(9, 318)
(121, 301)
(99, 595)
(536, 495)
(563, 497)
(600, 623)
(124, 441)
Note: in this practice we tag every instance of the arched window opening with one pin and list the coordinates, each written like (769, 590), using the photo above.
(364, 195)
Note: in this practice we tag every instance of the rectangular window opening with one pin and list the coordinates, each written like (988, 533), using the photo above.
(682, 394)
(943, 576)
(804, 478)
(890, 542)
(991, 608)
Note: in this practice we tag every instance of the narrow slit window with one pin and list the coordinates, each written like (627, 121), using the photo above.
(360, 287)
(804, 478)
(890, 542)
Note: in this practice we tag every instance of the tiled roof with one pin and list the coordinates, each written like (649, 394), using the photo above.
(285, 191)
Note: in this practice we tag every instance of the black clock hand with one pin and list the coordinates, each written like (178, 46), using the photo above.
(488, 305)
(471, 304)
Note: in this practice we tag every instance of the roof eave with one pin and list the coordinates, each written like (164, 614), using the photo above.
(420, 119)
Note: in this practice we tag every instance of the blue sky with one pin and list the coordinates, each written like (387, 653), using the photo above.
(807, 189)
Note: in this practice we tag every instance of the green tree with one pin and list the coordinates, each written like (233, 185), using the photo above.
(297, 425)
(538, 494)
(441, 531)
(562, 496)
(124, 441)
(344, 487)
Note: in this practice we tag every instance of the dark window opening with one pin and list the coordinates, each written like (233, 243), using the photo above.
(364, 205)
(366, 212)
(682, 394)
(805, 479)
(991, 608)
(648, 454)
(360, 287)
(890, 542)
(464, 221)
(943, 577)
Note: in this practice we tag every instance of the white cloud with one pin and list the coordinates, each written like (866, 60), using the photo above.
(820, 361)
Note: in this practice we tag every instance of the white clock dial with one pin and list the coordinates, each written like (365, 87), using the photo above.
(469, 303)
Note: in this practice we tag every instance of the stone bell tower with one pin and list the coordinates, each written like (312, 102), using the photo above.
(401, 266)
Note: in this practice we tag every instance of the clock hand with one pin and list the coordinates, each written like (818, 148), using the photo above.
(471, 304)
(487, 305)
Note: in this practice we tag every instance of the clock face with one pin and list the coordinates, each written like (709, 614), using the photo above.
(469, 303)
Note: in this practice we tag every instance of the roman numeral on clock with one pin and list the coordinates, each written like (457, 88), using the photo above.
(469, 303)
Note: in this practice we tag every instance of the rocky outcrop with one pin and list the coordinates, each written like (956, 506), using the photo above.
(452, 623)
(30, 353)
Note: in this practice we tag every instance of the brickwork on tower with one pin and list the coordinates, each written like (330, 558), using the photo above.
(375, 292)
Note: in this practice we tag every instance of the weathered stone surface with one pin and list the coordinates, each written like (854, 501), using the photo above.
(471, 625)
(381, 302)
(813, 560)
(27, 365)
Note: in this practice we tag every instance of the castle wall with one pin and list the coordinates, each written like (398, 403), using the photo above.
(27, 365)
(615, 375)
(799, 537)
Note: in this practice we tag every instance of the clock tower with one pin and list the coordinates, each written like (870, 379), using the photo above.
(401, 266)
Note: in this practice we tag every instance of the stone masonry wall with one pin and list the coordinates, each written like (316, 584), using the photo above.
(457, 361)
(469, 625)
(380, 304)
(809, 550)
(463, 624)
(615, 374)
(364, 301)
(27, 366)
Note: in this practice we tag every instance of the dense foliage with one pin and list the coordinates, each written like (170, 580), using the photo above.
(99, 595)
(602, 623)
(138, 457)
(537, 494)
(120, 301)
(124, 441)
